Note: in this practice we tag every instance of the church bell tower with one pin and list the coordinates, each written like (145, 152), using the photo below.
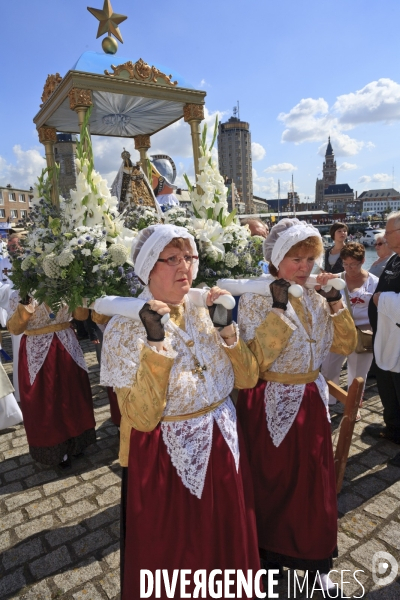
(329, 169)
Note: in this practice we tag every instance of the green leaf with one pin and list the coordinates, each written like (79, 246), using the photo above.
(230, 217)
(220, 217)
(204, 135)
(210, 213)
(190, 187)
(215, 133)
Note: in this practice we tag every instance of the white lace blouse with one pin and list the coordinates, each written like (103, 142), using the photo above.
(303, 353)
(188, 442)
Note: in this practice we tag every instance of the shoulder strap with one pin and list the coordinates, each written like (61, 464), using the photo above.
(346, 292)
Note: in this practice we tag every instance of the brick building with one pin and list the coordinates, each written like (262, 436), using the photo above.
(14, 203)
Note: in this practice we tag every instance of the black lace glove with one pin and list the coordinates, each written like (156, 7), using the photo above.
(152, 324)
(220, 316)
(280, 293)
(332, 296)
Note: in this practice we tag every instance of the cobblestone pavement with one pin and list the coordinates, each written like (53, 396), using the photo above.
(59, 531)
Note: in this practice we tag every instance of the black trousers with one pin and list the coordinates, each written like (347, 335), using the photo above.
(389, 391)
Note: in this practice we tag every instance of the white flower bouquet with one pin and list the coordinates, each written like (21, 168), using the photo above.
(226, 248)
(80, 251)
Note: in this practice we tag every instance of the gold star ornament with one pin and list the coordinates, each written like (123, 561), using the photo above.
(109, 20)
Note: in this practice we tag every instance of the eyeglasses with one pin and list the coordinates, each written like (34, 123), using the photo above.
(380, 243)
(389, 232)
(174, 261)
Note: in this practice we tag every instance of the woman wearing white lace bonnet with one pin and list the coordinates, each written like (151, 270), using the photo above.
(285, 417)
(186, 483)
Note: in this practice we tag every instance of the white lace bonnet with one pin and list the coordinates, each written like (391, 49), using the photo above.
(283, 236)
(149, 244)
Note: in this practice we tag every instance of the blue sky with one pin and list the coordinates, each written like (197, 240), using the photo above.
(301, 71)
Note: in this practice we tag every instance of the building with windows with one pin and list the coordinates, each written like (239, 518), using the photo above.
(329, 195)
(380, 201)
(14, 203)
(234, 158)
(338, 197)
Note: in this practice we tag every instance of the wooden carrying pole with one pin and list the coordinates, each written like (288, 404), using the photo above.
(351, 401)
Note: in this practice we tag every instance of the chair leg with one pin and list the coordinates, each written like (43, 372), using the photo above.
(346, 429)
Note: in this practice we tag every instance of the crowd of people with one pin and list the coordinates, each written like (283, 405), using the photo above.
(239, 486)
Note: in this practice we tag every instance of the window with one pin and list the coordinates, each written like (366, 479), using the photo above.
(22, 197)
(1, 198)
(11, 196)
(23, 214)
(2, 213)
(14, 214)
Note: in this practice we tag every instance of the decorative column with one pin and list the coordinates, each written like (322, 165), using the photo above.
(48, 137)
(194, 114)
(142, 144)
(80, 101)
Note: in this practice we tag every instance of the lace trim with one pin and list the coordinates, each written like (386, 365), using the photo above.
(71, 344)
(225, 417)
(37, 346)
(324, 393)
(282, 403)
(189, 444)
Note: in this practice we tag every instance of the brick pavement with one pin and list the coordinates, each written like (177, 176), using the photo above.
(59, 531)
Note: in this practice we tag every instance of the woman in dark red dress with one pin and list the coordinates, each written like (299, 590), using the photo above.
(285, 417)
(56, 398)
(187, 493)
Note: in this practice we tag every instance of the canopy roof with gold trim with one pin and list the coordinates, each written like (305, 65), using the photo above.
(128, 98)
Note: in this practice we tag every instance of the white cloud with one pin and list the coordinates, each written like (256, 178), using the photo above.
(378, 177)
(377, 101)
(342, 144)
(347, 167)
(268, 186)
(24, 171)
(312, 120)
(204, 84)
(257, 151)
(280, 168)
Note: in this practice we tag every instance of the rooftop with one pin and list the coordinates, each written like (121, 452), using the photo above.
(382, 193)
(339, 188)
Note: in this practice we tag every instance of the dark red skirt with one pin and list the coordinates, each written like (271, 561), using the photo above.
(294, 484)
(167, 527)
(58, 407)
(114, 406)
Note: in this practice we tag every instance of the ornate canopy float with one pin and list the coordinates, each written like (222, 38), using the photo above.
(129, 99)
(77, 248)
